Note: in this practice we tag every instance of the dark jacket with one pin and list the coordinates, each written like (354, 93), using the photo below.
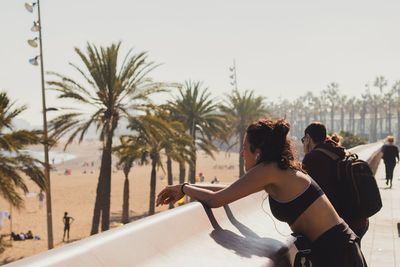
(390, 154)
(324, 171)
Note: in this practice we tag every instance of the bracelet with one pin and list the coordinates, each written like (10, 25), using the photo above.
(182, 188)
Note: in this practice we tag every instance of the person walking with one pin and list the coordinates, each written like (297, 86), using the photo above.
(323, 169)
(294, 197)
(390, 154)
(41, 199)
(67, 220)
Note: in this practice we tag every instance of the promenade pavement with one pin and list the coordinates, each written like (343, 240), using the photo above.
(381, 244)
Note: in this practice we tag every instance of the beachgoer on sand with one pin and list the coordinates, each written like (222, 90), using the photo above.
(67, 220)
(41, 199)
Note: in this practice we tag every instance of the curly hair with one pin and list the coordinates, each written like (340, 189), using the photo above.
(271, 138)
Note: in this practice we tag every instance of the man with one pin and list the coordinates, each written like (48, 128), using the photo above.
(390, 154)
(323, 169)
(67, 220)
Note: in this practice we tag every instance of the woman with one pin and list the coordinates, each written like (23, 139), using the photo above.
(390, 157)
(294, 197)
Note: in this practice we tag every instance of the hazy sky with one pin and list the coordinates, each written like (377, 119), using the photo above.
(282, 48)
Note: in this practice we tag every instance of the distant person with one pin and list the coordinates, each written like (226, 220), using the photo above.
(29, 235)
(202, 178)
(67, 220)
(294, 197)
(41, 198)
(390, 154)
(337, 138)
(215, 180)
(323, 170)
(15, 237)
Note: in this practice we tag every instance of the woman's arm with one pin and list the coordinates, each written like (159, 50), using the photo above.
(253, 181)
(211, 187)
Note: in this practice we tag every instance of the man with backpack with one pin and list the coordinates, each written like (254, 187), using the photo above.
(321, 162)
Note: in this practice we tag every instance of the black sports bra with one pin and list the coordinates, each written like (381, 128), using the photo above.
(289, 211)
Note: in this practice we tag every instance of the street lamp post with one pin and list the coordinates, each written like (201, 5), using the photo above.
(233, 76)
(38, 27)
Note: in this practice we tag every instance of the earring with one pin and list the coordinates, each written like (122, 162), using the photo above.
(257, 156)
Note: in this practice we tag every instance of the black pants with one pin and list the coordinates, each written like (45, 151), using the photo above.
(389, 167)
(336, 247)
(359, 227)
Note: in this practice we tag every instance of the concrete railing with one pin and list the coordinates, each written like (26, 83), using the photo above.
(240, 234)
(370, 153)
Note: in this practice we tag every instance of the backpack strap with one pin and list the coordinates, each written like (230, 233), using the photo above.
(330, 154)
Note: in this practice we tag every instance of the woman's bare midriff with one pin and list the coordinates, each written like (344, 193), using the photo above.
(319, 217)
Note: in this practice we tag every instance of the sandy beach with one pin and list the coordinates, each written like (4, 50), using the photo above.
(75, 193)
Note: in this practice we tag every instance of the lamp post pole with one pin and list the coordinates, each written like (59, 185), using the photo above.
(50, 244)
(233, 76)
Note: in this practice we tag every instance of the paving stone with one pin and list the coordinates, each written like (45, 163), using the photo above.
(381, 244)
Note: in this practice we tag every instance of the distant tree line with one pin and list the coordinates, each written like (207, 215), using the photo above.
(373, 115)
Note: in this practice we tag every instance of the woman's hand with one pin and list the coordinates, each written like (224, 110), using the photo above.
(169, 194)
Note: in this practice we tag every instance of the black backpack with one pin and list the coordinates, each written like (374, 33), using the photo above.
(357, 187)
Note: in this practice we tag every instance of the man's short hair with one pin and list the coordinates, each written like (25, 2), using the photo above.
(317, 132)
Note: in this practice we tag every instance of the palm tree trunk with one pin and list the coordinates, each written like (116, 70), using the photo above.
(389, 122)
(332, 119)
(352, 121)
(182, 172)
(105, 215)
(169, 176)
(192, 170)
(241, 161)
(362, 122)
(97, 207)
(153, 185)
(103, 186)
(192, 165)
(342, 119)
(306, 118)
(125, 202)
(398, 127)
(375, 125)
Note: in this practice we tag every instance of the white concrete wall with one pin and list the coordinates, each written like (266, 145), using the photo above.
(241, 234)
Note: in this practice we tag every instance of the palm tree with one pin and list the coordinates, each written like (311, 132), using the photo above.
(396, 88)
(195, 108)
(154, 133)
(388, 99)
(380, 82)
(307, 100)
(129, 151)
(298, 105)
(112, 91)
(178, 146)
(374, 103)
(239, 111)
(342, 104)
(13, 161)
(363, 103)
(351, 106)
(331, 94)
